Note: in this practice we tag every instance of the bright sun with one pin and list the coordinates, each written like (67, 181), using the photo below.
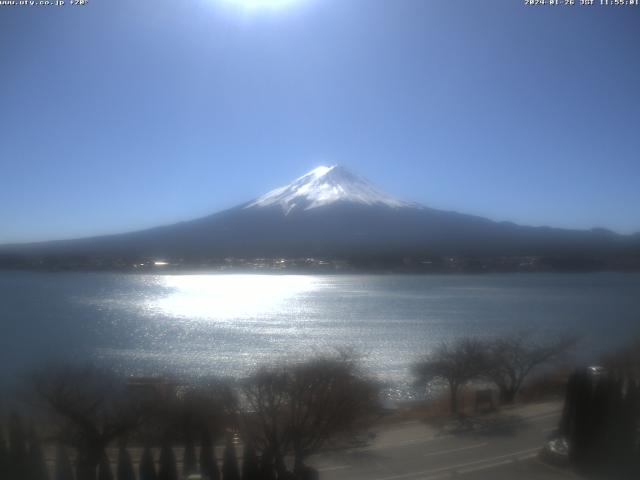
(253, 4)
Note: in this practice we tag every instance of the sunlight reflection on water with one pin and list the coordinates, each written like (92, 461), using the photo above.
(228, 297)
(229, 324)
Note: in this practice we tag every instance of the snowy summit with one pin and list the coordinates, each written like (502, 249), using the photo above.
(326, 185)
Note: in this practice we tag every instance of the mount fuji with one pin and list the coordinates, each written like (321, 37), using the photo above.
(324, 186)
(331, 212)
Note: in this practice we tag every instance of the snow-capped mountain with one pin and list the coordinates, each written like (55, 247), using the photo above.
(331, 212)
(324, 186)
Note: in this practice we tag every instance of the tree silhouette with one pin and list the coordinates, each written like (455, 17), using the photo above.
(4, 456)
(630, 435)
(92, 407)
(84, 468)
(208, 462)
(250, 466)
(328, 398)
(147, 467)
(63, 469)
(189, 460)
(455, 364)
(104, 468)
(124, 470)
(18, 455)
(599, 419)
(167, 470)
(230, 463)
(266, 394)
(575, 422)
(616, 422)
(511, 359)
(600, 422)
(209, 404)
(36, 462)
(267, 469)
(298, 409)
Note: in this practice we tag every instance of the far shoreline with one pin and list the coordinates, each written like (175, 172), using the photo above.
(210, 271)
(355, 265)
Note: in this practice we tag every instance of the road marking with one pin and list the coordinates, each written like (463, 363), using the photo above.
(452, 450)
(535, 418)
(484, 467)
(424, 439)
(438, 477)
(337, 467)
(527, 457)
(512, 456)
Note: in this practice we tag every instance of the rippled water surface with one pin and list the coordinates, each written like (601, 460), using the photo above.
(226, 324)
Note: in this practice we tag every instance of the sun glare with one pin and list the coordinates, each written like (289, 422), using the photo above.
(256, 4)
(224, 297)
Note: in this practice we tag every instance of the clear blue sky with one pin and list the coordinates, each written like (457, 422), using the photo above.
(128, 114)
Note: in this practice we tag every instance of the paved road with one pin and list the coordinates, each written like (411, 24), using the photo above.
(493, 447)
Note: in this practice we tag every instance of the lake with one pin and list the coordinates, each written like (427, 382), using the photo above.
(228, 324)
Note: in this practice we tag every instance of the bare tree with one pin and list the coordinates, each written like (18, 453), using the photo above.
(91, 407)
(299, 409)
(455, 364)
(192, 410)
(512, 359)
(264, 416)
(329, 400)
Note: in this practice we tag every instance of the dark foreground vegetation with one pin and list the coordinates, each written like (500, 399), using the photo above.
(277, 418)
(601, 418)
(91, 424)
(600, 425)
(504, 362)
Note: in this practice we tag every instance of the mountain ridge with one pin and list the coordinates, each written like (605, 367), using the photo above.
(333, 213)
